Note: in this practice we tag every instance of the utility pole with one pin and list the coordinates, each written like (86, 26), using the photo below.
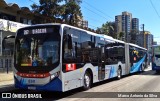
(144, 41)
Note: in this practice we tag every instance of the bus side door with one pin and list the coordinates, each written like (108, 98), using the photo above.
(101, 64)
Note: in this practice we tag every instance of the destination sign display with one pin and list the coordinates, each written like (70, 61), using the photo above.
(38, 31)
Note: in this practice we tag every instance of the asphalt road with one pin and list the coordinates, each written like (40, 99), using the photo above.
(139, 86)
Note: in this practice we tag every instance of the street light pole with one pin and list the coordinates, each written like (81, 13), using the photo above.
(144, 45)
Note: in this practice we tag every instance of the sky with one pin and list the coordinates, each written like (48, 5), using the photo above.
(97, 12)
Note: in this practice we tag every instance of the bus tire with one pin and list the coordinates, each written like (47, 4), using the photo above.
(87, 81)
(119, 73)
(142, 68)
(158, 71)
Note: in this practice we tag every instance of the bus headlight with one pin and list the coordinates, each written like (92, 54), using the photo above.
(54, 75)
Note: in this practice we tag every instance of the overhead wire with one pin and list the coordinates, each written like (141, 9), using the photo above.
(154, 8)
(95, 13)
(86, 17)
(98, 10)
(33, 2)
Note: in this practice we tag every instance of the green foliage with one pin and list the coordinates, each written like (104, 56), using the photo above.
(67, 11)
(107, 29)
(72, 13)
(120, 35)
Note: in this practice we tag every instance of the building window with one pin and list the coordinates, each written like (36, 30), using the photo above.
(7, 17)
(29, 22)
(25, 21)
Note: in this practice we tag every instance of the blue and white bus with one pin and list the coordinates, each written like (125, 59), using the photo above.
(60, 57)
(156, 58)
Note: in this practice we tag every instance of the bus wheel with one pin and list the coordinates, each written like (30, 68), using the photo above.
(142, 68)
(119, 73)
(157, 71)
(86, 81)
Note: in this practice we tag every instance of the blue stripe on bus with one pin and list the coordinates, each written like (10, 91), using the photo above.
(54, 85)
(136, 67)
(112, 72)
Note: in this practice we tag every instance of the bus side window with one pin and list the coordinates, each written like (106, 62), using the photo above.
(67, 48)
(70, 42)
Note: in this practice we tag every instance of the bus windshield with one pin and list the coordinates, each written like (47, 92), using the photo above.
(157, 50)
(156, 55)
(38, 47)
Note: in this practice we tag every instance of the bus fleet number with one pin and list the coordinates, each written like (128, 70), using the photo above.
(31, 81)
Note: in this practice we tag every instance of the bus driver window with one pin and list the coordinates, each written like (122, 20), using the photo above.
(67, 46)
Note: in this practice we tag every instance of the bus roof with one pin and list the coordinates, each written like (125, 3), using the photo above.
(91, 33)
(155, 45)
(136, 46)
(119, 41)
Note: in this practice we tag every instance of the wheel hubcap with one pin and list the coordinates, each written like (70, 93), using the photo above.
(142, 67)
(119, 73)
(87, 80)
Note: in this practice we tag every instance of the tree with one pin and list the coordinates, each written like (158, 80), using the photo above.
(67, 11)
(76, 1)
(112, 31)
(107, 29)
(72, 13)
(99, 30)
(120, 35)
(51, 9)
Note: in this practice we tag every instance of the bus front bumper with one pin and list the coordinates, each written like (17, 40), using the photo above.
(154, 67)
(53, 85)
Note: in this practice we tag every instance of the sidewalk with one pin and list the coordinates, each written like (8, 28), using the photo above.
(6, 79)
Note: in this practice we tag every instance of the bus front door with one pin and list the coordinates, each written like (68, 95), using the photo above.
(101, 64)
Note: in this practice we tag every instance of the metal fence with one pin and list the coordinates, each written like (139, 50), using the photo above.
(6, 64)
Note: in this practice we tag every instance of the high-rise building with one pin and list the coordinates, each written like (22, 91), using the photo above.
(154, 42)
(125, 23)
(140, 39)
(135, 24)
(145, 40)
(118, 22)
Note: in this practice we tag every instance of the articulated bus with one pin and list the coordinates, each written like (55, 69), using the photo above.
(156, 58)
(60, 57)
